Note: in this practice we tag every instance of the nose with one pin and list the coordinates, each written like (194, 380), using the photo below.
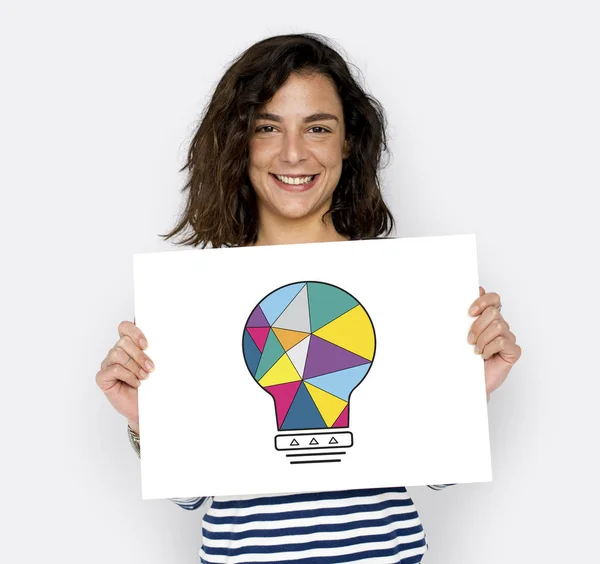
(293, 148)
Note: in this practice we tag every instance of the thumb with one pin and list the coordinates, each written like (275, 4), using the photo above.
(481, 290)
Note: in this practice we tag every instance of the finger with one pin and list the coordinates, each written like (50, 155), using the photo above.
(118, 355)
(493, 347)
(132, 350)
(490, 316)
(495, 329)
(131, 330)
(490, 299)
(108, 377)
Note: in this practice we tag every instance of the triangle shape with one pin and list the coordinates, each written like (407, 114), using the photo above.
(324, 357)
(342, 382)
(333, 441)
(294, 443)
(259, 336)
(287, 338)
(295, 316)
(313, 441)
(303, 413)
(326, 303)
(342, 420)
(281, 372)
(352, 331)
(283, 394)
(251, 353)
(298, 354)
(328, 405)
(257, 318)
(272, 352)
(277, 301)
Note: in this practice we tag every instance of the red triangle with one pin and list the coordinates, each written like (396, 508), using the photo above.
(259, 336)
(284, 395)
(342, 420)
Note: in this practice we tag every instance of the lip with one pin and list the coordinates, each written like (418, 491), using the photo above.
(295, 187)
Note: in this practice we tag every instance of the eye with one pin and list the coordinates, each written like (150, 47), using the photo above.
(319, 127)
(260, 129)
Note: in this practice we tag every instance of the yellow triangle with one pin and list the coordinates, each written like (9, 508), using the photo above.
(281, 372)
(328, 405)
(352, 331)
(289, 338)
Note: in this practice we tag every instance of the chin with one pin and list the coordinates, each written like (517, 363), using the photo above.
(296, 212)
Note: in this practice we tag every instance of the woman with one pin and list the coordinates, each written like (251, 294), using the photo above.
(288, 151)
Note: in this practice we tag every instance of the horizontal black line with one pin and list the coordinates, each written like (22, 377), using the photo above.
(314, 461)
(316, 454)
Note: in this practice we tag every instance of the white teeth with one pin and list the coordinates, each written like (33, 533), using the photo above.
(289, 180)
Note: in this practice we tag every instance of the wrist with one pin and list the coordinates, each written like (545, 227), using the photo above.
(134, 440)
(135, 427)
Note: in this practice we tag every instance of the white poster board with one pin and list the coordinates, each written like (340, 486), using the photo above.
(310, 367)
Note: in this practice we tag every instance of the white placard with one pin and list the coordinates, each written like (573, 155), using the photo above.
(213, 422)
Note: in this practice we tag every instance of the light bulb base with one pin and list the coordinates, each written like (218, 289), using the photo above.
(314, 447)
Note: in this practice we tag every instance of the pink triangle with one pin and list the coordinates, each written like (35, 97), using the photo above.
(284, 396)
(342, 420)
(259, 336)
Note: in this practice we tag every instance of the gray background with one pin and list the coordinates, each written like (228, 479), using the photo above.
(494, 124)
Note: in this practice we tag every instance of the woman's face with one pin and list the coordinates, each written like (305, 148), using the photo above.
(300, 132)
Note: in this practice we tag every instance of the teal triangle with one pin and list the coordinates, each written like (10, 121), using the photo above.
(342, 382)
(303, 413)
(326, 303)
(272, 352)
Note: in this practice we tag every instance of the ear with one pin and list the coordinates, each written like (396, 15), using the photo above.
(346, 151)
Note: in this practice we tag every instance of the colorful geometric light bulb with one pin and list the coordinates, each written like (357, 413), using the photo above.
(309, 345)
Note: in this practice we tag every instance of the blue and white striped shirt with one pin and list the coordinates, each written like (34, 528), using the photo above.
(379, 525)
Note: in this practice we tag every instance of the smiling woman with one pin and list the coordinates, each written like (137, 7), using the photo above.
(288, 151)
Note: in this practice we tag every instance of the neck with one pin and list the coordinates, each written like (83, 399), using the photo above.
(275, 230)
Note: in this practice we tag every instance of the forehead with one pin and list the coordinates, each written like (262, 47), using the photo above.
(305, 94)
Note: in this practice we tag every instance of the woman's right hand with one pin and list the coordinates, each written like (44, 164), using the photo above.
(121, 371)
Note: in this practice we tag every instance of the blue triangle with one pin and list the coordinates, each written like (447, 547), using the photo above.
(303, 413)
(251, 353)
(276, 302)
(342, 382)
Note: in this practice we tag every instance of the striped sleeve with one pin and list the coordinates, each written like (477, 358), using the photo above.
(190, 503)
(438, 487)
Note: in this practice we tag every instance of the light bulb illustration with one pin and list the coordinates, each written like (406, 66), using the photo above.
(309, 345)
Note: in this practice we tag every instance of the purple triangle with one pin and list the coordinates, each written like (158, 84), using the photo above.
(257, 319)
(324, 357)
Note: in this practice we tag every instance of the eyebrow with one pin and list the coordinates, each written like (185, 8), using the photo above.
(319, 116)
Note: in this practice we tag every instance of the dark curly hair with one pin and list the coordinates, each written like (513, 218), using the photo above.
(221, 204)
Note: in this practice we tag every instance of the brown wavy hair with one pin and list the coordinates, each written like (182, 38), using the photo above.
(221, 207)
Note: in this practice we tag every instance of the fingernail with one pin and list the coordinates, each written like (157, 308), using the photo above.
(143, 343)
(149, 366)
(477, 351)
(473, 310)
(471, 338)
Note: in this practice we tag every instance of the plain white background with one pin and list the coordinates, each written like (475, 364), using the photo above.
(494, 125)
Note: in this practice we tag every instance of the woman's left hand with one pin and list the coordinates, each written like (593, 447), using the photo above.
(492, 339)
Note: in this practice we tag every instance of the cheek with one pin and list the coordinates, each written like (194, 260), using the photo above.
(256, 155)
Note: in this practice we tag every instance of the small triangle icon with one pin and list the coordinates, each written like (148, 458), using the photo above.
(333, 441)
(294, 443)
(314, 441)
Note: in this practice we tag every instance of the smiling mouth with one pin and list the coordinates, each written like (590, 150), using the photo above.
(295, 187)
